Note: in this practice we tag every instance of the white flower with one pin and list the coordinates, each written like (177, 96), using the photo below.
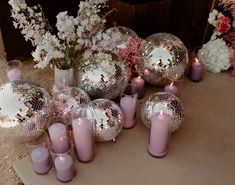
(215, 56)
(212, 17)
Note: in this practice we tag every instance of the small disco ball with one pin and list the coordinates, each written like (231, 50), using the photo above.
(108, 119)
(168, 104)
(22, 109)
(103, 75)
(164, 58)
(71, 98)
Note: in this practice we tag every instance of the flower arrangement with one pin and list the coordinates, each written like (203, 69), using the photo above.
(74, 36)
(223, 21)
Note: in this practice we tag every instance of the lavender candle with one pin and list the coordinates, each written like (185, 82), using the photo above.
(14, 74)
(159, 132)
(172, 89)
(83, 136)
(128, 107)
(196, 72)
(138, 84)
(41, 160)
(59, 138)
(14, 70)
(65, 168)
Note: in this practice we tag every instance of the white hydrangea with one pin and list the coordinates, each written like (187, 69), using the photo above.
(215, 55)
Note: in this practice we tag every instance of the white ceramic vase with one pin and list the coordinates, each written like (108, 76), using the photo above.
(64, 76)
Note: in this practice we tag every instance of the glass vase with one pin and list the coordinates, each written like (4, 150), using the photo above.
(64, 76)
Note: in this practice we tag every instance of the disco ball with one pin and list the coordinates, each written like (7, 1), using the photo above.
(164, 58)
(108, 118)
(67, 100)
(167, 103)
(22, 109)
(122, 34)
(103, 75)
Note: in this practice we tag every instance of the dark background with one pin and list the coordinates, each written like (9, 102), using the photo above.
(186, 19)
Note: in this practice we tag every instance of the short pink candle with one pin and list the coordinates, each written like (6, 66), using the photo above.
(41, 160)
(159, 134)
(139, 85)
(83, 137)
(65, 168)
(59, 138)
(14, 74)
(128, 107)
(196, 72)
(172, 89)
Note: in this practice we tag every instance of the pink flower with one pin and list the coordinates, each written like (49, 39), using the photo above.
(223, 24)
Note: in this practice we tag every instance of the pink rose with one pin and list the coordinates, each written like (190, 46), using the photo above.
(223, 24)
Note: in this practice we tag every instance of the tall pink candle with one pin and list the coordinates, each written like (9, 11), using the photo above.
(59, 138)
(139, 85)
(65, 168)
(14, 74)
(196, 72)
(41, 160)
(159, 132)
(83, 136)
(172, 89)
(128, 107)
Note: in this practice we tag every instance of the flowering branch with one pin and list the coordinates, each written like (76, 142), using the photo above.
(131, 53)
(74, 36)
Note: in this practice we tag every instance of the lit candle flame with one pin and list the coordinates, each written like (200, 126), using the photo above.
(61, 158)
(146, 72)
(161, 112)
(196, 60)
(172, 83)
(139, 77)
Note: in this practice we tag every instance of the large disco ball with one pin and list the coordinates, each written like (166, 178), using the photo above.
(108, 118)
(22, 110)
(118, 37)
(164, 58)
(168, 104)
(103, 75)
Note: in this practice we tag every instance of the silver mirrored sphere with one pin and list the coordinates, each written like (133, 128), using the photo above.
(168, 104)
(164, 58)
(103, 75)
(22, 109)
(108, 119)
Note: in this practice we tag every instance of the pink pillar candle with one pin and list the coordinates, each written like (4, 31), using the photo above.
(139, 85)
(14, 74)
(59, 138)
(196, 72)
(159, 134)
(172, 89)
(41, 160)
(128, 107)
(65, 168)
(83, 137)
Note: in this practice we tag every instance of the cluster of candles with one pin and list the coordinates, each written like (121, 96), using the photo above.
(160, 122)
(60, 150)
